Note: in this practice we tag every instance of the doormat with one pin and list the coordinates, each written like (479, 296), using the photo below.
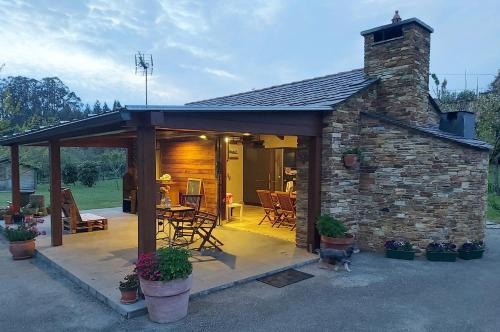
(285, 278)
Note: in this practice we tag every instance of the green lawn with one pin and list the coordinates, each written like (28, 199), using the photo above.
(104, 194)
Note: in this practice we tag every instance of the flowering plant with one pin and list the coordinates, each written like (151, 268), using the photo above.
(130, 281)
(472, 245)
(164, 265)
(441, 247)
(23, 232)
(398, 245)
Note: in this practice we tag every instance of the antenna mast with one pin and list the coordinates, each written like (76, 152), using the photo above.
(144, 66)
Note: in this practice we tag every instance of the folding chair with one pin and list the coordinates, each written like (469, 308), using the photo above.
(183, 223)
(204, 223)
(287, 210)
(270, 210)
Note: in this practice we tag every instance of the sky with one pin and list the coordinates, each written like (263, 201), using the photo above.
(209, 48)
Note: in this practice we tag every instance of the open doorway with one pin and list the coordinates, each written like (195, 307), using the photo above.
(265, 164)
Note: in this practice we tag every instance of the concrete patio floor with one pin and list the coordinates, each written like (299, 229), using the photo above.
(98, 260)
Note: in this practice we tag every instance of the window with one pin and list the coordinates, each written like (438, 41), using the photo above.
(389, 33)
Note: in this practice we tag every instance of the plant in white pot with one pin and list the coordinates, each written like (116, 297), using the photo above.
(166, 279)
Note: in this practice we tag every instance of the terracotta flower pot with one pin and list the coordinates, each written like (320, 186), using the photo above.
(351, 160)
(129, 295)
(8, 219)
(168, 301)
(22, 249)
(339, 243)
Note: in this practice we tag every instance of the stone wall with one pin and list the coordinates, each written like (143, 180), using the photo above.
(339, 185)
(402, 64)
(302, 192)
(418, 188)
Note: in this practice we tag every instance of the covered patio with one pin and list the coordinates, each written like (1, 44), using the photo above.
(97, 260)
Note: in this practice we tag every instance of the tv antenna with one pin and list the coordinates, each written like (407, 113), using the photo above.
(144, 66)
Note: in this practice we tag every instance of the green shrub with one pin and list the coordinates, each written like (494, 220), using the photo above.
(330, 227)
(88, 173)
(70, 174)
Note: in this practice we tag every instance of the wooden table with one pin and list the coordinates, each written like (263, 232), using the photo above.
(162, 210)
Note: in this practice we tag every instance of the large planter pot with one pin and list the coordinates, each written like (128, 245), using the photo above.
(351, 160)
(129, 295)
(167, 301)
(400, 254)
(470, 254)
(339, 243)
(7, 219)
(22, 249)
(441, 256)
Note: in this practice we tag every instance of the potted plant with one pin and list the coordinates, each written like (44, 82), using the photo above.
(165, 279)
(27, 212)
(399, 250)
(128, 288)
(7, 217)
(351, 157)
(471, 250)
(333, 233)
(441, 252)
(22, 240)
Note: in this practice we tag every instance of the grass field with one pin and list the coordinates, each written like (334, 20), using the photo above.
(106, 193)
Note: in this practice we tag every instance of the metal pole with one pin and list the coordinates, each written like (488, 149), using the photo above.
(146, 87)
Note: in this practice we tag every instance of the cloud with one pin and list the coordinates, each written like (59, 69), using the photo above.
(183, 14)
(221, 73)
(198, 52)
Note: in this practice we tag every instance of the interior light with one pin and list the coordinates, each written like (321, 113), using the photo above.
(203, 136)
(246, 134)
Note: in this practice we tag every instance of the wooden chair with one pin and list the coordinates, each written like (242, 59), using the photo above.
(204, 223)
(287, 210)
(270, 210)
(183, 224)
(74, 221)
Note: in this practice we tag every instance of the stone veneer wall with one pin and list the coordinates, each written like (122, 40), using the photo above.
(339, 185)
(302, 192)
(402, 64)
(418, 188)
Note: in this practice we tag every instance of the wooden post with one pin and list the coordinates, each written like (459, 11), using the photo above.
(314, 192)
(146, 175)
(56, 226)
(15, 176)
(130, 155)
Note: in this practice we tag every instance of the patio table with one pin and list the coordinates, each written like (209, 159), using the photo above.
(168, 213)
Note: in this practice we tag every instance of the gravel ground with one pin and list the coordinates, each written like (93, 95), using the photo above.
(378, 295)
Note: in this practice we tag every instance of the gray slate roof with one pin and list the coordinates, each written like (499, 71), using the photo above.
(435, 132)
(320, 91)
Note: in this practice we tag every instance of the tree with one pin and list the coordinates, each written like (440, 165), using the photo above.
(97, 107)
(88, 173)
(70, 174)
(87, 110)
(105, 108)
(116, 105)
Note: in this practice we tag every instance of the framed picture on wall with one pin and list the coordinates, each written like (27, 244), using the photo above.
(194, 186)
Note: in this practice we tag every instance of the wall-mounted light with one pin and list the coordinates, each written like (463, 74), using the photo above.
(203, 136)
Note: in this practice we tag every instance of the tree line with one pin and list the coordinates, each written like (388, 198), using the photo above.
(28, 103)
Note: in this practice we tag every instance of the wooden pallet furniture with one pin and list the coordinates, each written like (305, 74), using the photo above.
(73, 221)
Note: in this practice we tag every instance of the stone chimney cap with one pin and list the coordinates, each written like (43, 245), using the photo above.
(396, 18)
(403, 22)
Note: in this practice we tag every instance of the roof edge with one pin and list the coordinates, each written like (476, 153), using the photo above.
(222, 109)
(427, 131)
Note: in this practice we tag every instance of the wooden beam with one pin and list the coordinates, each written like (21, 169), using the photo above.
(146, 173)
(15, 176)
(314, 192)
(56, 226)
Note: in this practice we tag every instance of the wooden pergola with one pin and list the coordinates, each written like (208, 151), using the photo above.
(144, 125)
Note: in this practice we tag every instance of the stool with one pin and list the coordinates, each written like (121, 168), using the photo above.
(229, 208)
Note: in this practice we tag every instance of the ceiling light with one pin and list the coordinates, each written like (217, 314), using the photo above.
(203, 136)
(226, 139)
(246, 134)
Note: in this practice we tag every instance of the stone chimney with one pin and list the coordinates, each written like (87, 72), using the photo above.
(398, 54)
